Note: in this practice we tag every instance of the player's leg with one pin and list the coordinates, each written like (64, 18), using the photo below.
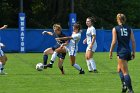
(124, 87)
(124, 68)
(91, 60)
(45, 55)
(54, 55)
(88, 62)
(3, 60)
(60, 65)
(73, 63)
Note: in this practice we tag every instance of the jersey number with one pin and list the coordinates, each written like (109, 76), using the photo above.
(124, 32)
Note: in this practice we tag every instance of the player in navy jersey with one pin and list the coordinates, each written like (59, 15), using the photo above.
(71, 48)
(3, 57)
(57, 33)
(123, 34)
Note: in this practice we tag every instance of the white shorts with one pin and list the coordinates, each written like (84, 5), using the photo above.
(1, 53)
(93, 48)
(71, 50)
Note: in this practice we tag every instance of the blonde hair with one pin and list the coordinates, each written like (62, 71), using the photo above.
(121, 17)
(57, 26)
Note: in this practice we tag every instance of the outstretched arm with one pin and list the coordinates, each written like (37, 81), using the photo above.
(3, 27)
(114, 39)
(64, 38)
(46, 32)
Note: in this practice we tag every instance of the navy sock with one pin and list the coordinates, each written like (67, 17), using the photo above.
(121, 77)
(45, 58)
(127, 80)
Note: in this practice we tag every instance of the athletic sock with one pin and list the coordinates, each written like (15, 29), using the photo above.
(127, 80)
(89, 65)
(92, 62)
(1, 67)
(77, 66)
(61, 68)
(54, 55)
(121, 77)
(45, 58)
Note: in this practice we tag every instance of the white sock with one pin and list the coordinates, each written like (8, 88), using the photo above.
(0, 67)
(92, 62)
(89, 65)
(54, 55)
(77, 66)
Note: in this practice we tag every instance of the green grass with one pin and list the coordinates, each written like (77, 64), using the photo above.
(23, 78)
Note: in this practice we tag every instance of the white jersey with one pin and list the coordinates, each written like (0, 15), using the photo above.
(90, 32)
(1, 52)
(72, 47)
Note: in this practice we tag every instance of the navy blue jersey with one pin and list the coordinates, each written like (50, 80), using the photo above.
(58, 43)
(123, 38)
(58, 36)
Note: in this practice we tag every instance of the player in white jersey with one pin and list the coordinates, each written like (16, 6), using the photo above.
(3, 57)
(91, 45)
(71, 48)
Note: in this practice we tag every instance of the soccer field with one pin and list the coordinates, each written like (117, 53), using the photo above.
(24, 78)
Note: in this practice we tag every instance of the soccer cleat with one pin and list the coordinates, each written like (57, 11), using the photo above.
(95, 71)
(124, 89)
(45, 66)
(90, 71)
(62, 72)
(3, 73)
(130, 91)
(82, 71)
(49, 65)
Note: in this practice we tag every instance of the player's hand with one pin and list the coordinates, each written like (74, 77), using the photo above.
(62, 46)
(110, 55)
(57, 39)
(2, 45)
(5, 26)
(44, 32)
(84, 41)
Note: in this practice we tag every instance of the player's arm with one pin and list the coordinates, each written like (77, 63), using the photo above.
(114, 40)
(92, 42)
(64, 38)
(64, 44)
(46, 32)
(3, 27)
(133, 44)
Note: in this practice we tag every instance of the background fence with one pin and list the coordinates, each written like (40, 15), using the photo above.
(36, 42)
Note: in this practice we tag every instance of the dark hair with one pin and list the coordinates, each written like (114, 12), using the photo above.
(92, 19)
(78, 26)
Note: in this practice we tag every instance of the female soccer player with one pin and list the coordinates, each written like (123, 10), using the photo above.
(71, 47)
(92, 45)
(3, 57)
(123, 34)
(57, 33)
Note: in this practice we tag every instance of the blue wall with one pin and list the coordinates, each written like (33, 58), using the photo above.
(36, 42)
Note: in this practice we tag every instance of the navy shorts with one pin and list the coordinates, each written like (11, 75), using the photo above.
(61, 55)
(55, 47)
(125, 56)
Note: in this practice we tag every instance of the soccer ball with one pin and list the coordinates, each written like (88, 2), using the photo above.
(39, 66)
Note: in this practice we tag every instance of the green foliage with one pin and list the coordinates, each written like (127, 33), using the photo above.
(44, 13)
